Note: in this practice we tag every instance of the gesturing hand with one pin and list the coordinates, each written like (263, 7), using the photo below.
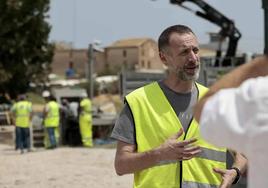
(173, 149)
(228, 177)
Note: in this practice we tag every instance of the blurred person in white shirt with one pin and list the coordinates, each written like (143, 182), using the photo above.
(234, 114)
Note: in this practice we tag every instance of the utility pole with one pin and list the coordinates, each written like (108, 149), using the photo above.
(90, 76)
(91, 71)
(265, 8)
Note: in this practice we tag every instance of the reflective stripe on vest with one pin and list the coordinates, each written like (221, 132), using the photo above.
(159, 123)
(186, 184)
(205, 154)
(52, 118)
(212, 155)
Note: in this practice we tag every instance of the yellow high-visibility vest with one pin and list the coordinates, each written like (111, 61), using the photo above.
(52, 119)
(155, 121)
(22, 110)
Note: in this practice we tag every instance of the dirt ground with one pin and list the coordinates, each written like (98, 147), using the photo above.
(60, 168)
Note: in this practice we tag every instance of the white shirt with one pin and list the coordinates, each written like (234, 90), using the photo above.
(237, 118)
(74, 108)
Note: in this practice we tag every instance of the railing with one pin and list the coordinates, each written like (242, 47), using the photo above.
(209, 72)
(5, 119)
(130, 80)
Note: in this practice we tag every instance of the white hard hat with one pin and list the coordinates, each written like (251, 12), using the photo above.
(45, 94)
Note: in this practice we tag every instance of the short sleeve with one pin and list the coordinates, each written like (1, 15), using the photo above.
(124, 129)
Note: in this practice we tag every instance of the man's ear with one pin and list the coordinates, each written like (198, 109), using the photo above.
(163, 57)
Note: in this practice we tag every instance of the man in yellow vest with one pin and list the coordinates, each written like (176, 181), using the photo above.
(85, 122)
(158, 138)
(22, 113)
(51, 120)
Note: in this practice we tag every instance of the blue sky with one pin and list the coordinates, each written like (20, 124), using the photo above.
(83, 21)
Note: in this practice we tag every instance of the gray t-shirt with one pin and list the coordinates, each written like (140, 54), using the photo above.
(182, 103)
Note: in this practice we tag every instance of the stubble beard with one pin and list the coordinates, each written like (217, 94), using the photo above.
(184, 76)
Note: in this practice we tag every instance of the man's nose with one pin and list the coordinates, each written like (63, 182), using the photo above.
(193, 56)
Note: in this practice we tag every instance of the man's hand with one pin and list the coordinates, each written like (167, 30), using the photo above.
(173, 149)
(228, 176)
(128, 160)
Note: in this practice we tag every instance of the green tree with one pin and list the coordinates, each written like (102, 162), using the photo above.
(25, 53)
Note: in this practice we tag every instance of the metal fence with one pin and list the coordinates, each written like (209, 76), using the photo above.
(209, 73)
(5, 117)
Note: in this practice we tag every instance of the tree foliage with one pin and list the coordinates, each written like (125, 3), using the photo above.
(25, 53)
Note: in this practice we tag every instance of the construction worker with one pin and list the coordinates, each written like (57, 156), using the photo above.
(22, 114)
(51, 121)
(85, 122)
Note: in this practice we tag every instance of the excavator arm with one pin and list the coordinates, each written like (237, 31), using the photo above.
(227, 26)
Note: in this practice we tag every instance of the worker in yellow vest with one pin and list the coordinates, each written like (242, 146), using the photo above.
(85, 122)
(157, 137)
(51, 121)
(22, 114)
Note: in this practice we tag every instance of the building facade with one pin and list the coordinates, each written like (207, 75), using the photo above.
(134, 54)
(139, 54)
(79, 59)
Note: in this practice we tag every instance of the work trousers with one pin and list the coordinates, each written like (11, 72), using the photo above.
(51, 136)
(22, 138)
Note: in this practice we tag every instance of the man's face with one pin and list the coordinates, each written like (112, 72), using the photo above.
(181, 56)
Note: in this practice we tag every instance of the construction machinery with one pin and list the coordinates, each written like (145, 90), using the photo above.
(228, 29)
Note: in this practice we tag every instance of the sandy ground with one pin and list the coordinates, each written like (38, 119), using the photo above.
(60, 168)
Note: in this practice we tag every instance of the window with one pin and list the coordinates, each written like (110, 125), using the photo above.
(124, 53)
(149, 64)
(142, 64)
(142, 52)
